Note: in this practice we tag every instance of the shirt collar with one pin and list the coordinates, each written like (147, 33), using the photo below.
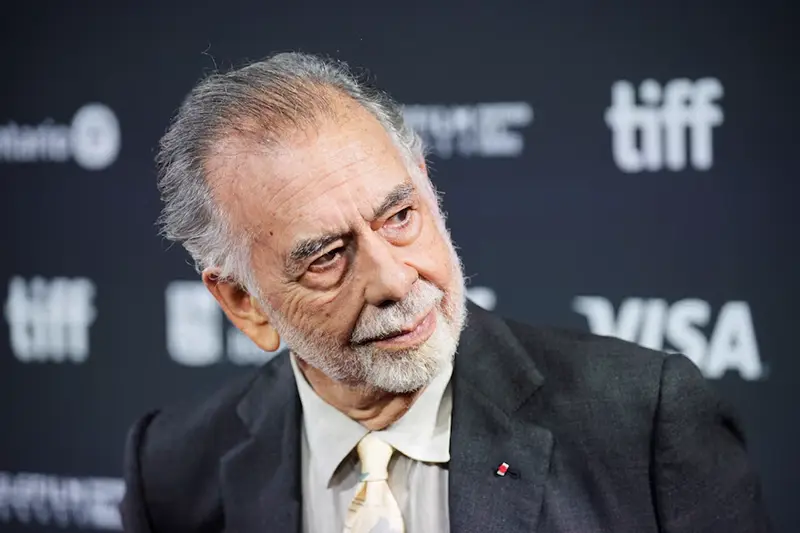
(422, 434)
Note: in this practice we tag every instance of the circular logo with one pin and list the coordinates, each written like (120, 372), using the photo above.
(95, 136)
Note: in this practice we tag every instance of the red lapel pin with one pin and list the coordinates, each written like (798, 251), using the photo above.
(502, 469)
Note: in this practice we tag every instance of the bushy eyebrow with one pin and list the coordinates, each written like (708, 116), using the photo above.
(306, 248)
(397, 196)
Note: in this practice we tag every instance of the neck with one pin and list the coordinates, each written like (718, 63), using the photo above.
(372, 408)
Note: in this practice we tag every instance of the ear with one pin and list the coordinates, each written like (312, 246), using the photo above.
(243, 311)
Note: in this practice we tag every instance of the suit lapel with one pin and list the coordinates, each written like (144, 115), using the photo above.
(493, 378)
(260, 478)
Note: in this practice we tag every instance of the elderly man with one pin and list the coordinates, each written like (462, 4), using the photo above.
(304, 199)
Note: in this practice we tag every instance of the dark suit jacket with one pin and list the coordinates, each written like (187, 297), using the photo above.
(600, 435)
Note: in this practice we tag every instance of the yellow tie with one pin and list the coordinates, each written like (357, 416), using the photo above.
(373, 509)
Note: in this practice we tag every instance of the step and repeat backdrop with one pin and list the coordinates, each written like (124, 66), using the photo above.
(629, 170)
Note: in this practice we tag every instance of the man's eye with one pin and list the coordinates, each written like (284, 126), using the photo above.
(327, 259)
(401, 217)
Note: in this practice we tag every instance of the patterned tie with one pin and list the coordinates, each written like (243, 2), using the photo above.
(373, 509)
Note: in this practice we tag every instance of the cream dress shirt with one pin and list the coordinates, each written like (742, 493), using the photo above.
(417, 471)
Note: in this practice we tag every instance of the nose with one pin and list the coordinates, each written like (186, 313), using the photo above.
(389, 278)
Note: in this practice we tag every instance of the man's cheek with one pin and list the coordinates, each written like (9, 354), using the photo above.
(291, 307)
(333, 316)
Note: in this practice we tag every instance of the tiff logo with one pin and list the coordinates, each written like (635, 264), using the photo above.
(49, 320)
(653, 135)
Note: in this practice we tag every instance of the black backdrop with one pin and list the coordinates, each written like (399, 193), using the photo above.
(666, 218)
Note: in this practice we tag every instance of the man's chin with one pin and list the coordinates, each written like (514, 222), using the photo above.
(412, 369)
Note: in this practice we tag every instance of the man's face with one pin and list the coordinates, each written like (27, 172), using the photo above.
(357, 272)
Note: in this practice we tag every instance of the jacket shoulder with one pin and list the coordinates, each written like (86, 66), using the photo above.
(598, 363)
(173, 454)
(600, 395)
(185, 423)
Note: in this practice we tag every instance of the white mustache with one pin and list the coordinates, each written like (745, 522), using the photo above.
(379, 322)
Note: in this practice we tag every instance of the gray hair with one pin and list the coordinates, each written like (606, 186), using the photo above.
(260, 101)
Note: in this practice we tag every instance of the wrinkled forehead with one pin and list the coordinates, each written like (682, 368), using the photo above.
(314, 181)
